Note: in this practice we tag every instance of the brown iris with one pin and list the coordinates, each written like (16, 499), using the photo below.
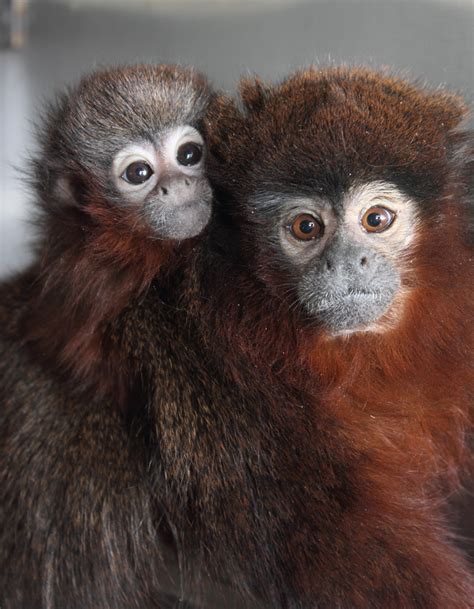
(377, 219)
(306, 227)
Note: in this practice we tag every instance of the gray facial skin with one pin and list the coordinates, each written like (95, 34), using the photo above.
(348, 286)
(182, 209)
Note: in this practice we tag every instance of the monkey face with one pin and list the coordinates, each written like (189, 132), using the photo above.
(341, 175)
(166, 179)
(127, 143)
(344, 260)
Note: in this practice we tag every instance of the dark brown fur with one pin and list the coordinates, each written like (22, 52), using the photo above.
(65, 452)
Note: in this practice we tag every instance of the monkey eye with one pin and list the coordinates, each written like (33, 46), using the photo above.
(189, 153)
(137, 173)
(306, 227)
(377, 219)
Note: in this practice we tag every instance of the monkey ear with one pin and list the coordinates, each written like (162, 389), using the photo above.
(221, 108)
(223, 123)
(70, 191)
(59, 186)
(449, 113)
(56, 182)
(254, 94)
(448, 110)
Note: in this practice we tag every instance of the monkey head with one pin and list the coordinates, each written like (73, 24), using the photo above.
(127, 143)
(337, 179)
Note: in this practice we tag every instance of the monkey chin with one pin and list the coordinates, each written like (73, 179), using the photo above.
(181, 222)
(387, 321)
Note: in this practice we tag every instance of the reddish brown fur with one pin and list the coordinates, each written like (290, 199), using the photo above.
(404, 396)
(364, 500)
(399, 376)
(411, 386)
(93, 270)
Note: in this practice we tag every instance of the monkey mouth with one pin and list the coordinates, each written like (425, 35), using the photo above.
(355, 296)
(188, 205)
(183, 221)
(356, 299)
(350, 311)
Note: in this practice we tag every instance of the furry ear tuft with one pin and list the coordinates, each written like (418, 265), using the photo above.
(253, 93)
(221, 110)
(223, 127)
(449, 109)
(71, 190)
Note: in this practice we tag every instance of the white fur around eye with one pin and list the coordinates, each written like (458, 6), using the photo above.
(131, 154)
(396, 239)
(173, 140)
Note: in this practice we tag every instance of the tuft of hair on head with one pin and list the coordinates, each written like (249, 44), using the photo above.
(254, 94)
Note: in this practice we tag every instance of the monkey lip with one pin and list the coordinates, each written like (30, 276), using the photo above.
(197, 210)
(353, 310)
(356, 297)
(191, 204)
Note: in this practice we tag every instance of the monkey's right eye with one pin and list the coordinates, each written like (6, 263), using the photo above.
(306, 227)
(137, 173)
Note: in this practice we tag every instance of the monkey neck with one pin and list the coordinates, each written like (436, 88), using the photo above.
(88, 274)
(409, 386)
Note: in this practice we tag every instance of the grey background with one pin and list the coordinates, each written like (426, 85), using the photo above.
(432, 41)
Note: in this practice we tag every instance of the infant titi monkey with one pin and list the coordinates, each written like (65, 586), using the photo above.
(120, 187)
(120, 184)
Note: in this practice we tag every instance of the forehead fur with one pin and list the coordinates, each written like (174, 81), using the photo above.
(325, 130)
(145, 96)
(112, 107)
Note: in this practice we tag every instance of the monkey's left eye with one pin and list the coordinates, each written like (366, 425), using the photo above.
(137, 173)
(306, 227)
(377, 219)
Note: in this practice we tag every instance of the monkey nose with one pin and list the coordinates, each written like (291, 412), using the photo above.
(179, 190)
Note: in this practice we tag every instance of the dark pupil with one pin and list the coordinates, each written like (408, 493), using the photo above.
(374, 219)
(138, 172)
(189, 154)
(307, 226)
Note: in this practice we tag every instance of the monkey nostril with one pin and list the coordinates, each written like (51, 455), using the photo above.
(186, 181)
(363, 261)
(328, 265)
(164, 191)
